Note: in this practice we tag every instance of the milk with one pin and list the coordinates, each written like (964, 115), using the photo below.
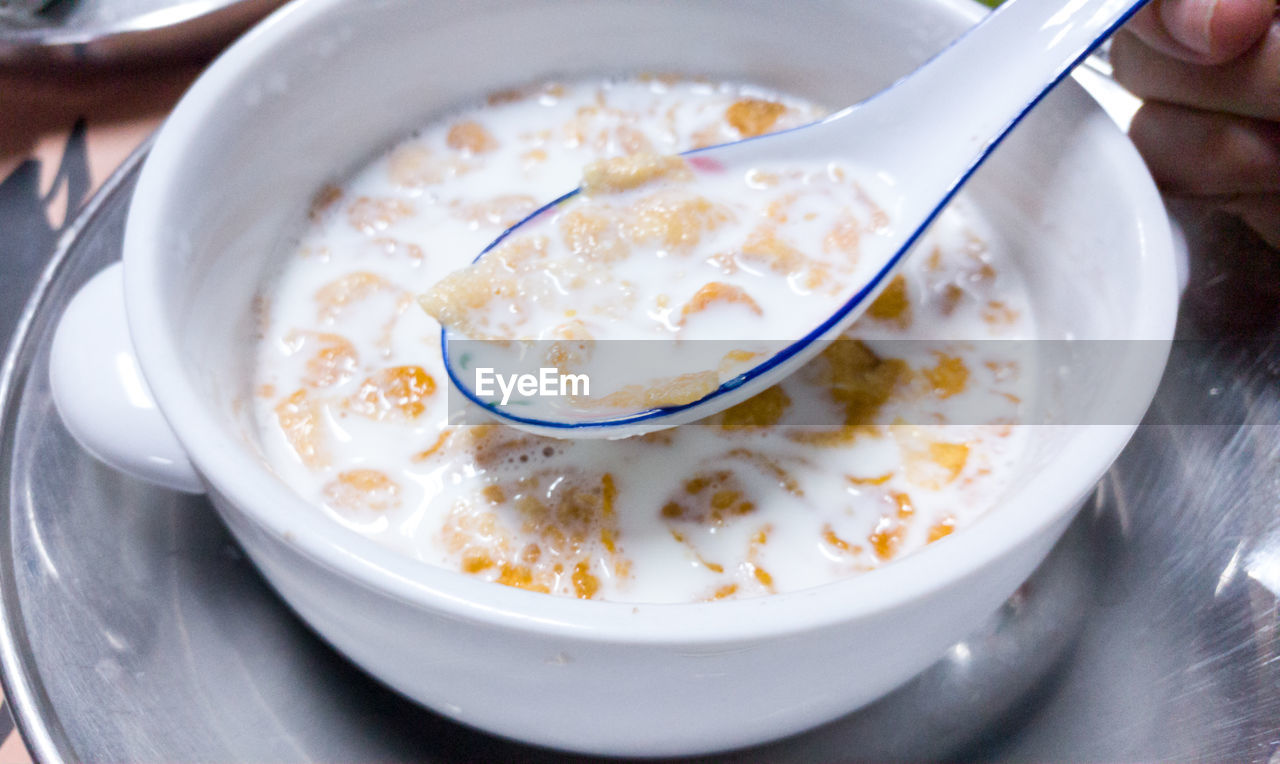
(352, 407)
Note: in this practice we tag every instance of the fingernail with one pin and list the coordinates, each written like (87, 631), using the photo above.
(1191, 23)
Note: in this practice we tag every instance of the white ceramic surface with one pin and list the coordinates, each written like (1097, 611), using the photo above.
(324, 84)
(101, 393)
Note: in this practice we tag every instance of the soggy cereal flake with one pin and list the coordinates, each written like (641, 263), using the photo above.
(471, 137)
(763, 577)
(761, 410)
(343, 292)
(950, 456)
(906, 509)
(997, 313)
(368, 490)
(573, 346)
(762, 179)
(594, 234)
(397, 392)
(952, 296)
(455, 299)
(660, 392)
(1002, 370)
(413, 165)
(941, 529)
(949, 377)
(724, 592)
(893, 303)
(833, 540)
(331, 358)
(887, 537)
(483, 545)
(876, 480)
(859, 380)
(928, 462)
(879, 218)
(844, 237)
(716, 292)
(632, 142)
(300, 420)
(711, 135)
(534, 157)
(610, 176)
(779, 210)
(710, 498)
(677, 222)
(736, 361)
(568, 524)
(764, 245)
(372, 216)
(501, 211)
(436, 448)
(585, 585)
(754, 116)
(685, 388)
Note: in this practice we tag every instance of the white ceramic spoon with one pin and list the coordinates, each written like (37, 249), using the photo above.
(928, 132)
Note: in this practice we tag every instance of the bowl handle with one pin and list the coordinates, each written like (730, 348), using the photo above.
(101, 395)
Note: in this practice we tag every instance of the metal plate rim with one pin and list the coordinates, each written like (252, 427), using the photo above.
(23, 690)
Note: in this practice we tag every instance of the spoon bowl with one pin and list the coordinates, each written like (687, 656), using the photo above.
(919, 140)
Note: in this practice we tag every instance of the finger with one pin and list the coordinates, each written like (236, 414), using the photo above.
(1203, 153)
(1203, 31)
(1249, 85)
(1261, 212)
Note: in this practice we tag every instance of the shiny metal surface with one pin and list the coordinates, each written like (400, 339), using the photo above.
(113, 31)
(133, 629)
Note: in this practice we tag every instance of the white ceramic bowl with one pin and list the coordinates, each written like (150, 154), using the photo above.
(322, 86)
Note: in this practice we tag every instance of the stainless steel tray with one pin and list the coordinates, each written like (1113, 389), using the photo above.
(132, 628)
(111, 31)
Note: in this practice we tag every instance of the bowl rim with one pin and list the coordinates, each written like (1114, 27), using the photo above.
(252, 490)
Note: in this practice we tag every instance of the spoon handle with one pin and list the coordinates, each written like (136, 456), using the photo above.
(945, 118)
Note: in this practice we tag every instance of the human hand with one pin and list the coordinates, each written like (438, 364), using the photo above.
(1209, 71)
